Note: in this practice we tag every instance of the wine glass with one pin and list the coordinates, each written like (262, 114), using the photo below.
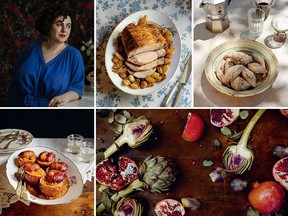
(265, 5)
(280, 26)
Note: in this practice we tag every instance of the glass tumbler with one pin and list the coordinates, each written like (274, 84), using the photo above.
(255, 21)
(87, 152)
(74, 142)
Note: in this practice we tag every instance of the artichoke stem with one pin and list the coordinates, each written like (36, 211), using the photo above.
(102, 188)
(100, 208)
(245, 136)
(115, 146)
(132, 187)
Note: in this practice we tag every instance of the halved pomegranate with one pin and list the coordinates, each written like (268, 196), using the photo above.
(116, 175)
(280, 172)
(194, 128)
(284, 112)
(223, 117)
(169, 207)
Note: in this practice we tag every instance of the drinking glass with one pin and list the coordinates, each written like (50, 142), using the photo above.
(87, 152)
(265, 5)
(280, 26)
(255, 22)
(74, 142)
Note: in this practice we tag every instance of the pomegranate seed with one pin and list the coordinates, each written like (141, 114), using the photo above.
(161, 122)
(103, 129)
(100, 140)
(283, 167)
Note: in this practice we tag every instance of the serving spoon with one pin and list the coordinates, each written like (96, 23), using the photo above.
(10, 136)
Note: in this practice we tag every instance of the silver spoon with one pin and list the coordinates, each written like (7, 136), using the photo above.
(10, 136)
(12, 139)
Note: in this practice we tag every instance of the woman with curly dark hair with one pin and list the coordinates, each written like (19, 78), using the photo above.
(48, 72)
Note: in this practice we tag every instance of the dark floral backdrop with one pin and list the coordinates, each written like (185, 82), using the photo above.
(17, 30)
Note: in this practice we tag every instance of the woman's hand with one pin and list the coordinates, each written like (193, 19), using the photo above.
(63, 99)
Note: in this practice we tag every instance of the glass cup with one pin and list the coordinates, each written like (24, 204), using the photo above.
(255, 22)
(280, 26)
(87, 152)
(74, 142)
(265, 5)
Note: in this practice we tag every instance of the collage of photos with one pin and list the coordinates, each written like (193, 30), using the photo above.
(143, 108)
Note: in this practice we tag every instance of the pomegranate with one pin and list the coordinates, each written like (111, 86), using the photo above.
(117, 176)
(266, 197)
(280, 172)
(284, 112)
(194, 128)
(223, 117)
(169, 207)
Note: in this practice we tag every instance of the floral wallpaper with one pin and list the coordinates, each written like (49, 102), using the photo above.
(17, 31)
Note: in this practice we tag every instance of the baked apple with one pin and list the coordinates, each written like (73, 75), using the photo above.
(53, 176)
(52, 187)
(61, 166)
(32, 173)
(26, 157)
(46, 158)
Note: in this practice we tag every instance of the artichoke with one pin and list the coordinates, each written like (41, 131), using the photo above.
(238, 158)
(157, 174)
(135, 133)
(128, 207)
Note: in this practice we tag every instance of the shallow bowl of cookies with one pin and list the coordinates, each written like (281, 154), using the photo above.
(241, 68)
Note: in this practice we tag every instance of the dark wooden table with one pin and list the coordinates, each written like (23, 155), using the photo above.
(82, 206)
(193, 179)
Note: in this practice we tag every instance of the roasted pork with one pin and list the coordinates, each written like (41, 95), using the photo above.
(142, 38)
(146, 57)
(145, 67)
(143, 74)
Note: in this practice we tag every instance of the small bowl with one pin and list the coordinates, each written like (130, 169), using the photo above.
(247, 45)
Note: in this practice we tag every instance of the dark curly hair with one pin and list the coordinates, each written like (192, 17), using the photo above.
(48, 15)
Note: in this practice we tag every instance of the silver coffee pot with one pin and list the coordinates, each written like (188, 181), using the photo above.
(216, 15)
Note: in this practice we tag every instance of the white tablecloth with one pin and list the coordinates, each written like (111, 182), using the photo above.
(108, 15)
(204, 42)
(59, 145)
(87, 100)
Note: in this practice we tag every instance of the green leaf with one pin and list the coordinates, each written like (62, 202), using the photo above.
(111, 117)
(127, 114)
(106, 201)
(252, 212)
(100, 155)
(207, 163)
(226, 131)
(236, 135)
(244, 114)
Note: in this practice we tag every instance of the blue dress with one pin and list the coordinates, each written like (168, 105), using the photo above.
(36, 82)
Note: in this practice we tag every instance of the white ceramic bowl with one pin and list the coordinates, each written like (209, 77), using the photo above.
(241, 44)
(162, 20)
